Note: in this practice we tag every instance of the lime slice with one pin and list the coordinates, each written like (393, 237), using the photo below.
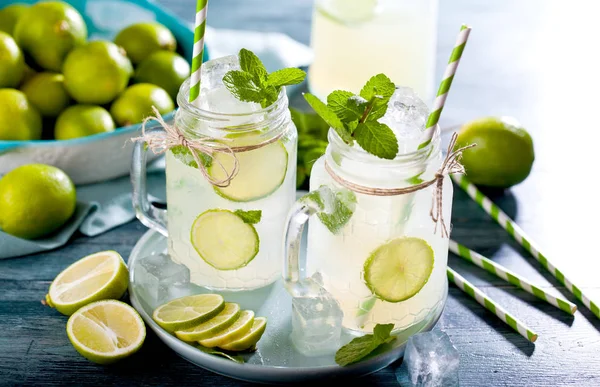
(186, 312)
(207, 329)
(106, 331)
(249, 339)
(224, 240)
(349, 11)
(233, 332)
(261, 172)
(397, 270)
(99, 276)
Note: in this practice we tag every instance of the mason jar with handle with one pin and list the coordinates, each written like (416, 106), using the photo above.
(372, 243)
(230, 183)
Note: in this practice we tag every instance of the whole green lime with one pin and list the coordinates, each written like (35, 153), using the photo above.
(142, 39)
(47, 93)
(97, 72)
(9, 16)
(81, 121)
(12, 64)
(48, 31)
(504, 153)
(35, 200)
(165, 69)
(137, 101)
(19, 120)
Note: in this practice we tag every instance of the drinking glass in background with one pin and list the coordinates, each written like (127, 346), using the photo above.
(354, 39)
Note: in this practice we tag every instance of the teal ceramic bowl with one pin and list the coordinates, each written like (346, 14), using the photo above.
(107, 155)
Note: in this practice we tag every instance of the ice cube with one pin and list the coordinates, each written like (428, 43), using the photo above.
(160, 279)
(430, 360)
(214, 96)
(316, 322)
(406, 116)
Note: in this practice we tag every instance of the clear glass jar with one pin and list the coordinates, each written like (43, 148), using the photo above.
(205, 224)
(338, 260)
(354, 39)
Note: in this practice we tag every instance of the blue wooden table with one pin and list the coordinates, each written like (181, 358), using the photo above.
(533, 59)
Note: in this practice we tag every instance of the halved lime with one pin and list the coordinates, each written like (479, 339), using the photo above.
(106, 331)
(261, 172)
(186, 312)
(96, 277)
(249, 339)
(235, 331)
(399, 269)
(224, 240)
(207, 329)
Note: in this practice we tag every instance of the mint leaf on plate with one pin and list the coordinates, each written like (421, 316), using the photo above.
(249, 217)
(377, 139)
(286, 77)
(330, 117)
(362, 346)
(345, 106)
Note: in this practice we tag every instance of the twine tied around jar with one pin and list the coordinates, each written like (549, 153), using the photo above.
(450, 165)
(161, 141)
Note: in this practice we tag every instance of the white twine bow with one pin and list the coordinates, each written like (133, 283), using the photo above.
(161, 141)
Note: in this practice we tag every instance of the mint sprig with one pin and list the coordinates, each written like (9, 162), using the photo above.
(362, 346)
(355, 117)
(249, 217)
(335, 207)
(254, 84)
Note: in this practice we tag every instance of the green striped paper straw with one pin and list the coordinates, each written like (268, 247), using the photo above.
(490, 305)
(198, 51)
(519, 235)
(509, 276)
(442, 94)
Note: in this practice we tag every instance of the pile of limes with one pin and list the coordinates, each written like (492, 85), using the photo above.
(56, 84)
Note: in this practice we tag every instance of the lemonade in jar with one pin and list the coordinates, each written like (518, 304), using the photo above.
(230, 174)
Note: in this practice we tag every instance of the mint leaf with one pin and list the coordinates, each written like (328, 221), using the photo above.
(314, 196)
(344, 204)
(377, 139)
(362, 346)
(243, 86)
(329, 116)
(250, 63)
(345, 105)
(234, 358)
(184, 155)
(285, 77)
(310, 124)
(249, 217)
(251, 83)
(379, 85)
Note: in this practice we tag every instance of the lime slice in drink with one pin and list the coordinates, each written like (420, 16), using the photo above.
(224, 240)
(186, 312)
(207, 329)
(106, 331)
(349, 11)
(99, 276)
(398, 270)
(233, 332)
(249, 339)
(261, 171)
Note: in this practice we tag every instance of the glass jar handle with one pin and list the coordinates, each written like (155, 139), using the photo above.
(294, 271)
(150, 215)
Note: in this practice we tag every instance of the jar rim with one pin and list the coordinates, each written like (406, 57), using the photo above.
(183, 103)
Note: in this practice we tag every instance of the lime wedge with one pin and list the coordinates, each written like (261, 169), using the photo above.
(261, 172)
(397, 270)
(233, 332)
(186, 312)
(99, 276)
(349, 11)
(106, 331)
(207, 329)
(224, 240)
(249, 339)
